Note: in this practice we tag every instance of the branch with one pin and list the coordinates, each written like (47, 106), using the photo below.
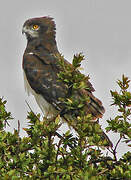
(114, 150)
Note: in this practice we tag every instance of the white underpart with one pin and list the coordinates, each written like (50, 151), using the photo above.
(31, 53)
(48, 110)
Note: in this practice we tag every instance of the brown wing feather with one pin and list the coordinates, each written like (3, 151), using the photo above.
(94, 106)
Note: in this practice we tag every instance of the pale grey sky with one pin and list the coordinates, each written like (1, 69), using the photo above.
(100, 29)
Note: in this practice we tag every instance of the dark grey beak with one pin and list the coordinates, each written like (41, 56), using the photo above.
(23, 30)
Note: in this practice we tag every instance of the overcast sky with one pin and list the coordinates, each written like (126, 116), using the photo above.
(101, 29)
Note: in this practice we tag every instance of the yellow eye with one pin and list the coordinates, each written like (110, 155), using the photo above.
(35, 27)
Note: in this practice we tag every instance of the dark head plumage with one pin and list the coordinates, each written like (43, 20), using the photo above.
(39, 27)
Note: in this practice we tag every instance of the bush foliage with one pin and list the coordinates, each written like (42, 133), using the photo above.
(80, 157)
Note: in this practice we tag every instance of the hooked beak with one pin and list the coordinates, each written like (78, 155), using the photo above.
(24, 30)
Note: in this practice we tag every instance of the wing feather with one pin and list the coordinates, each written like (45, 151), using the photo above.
(42, 78)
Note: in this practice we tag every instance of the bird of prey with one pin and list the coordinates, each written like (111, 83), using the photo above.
(40, 65)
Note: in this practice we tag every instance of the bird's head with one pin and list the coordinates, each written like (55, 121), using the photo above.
(41, 28)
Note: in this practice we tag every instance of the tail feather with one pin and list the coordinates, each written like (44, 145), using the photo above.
(94, 105)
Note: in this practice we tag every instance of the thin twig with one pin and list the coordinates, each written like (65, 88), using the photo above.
(101, 160)
(58, 146)
(114, 150)
(6, 122)
(18, 127)
(118, 142)
(102, 172)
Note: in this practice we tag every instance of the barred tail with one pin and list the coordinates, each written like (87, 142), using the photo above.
(94, 105)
